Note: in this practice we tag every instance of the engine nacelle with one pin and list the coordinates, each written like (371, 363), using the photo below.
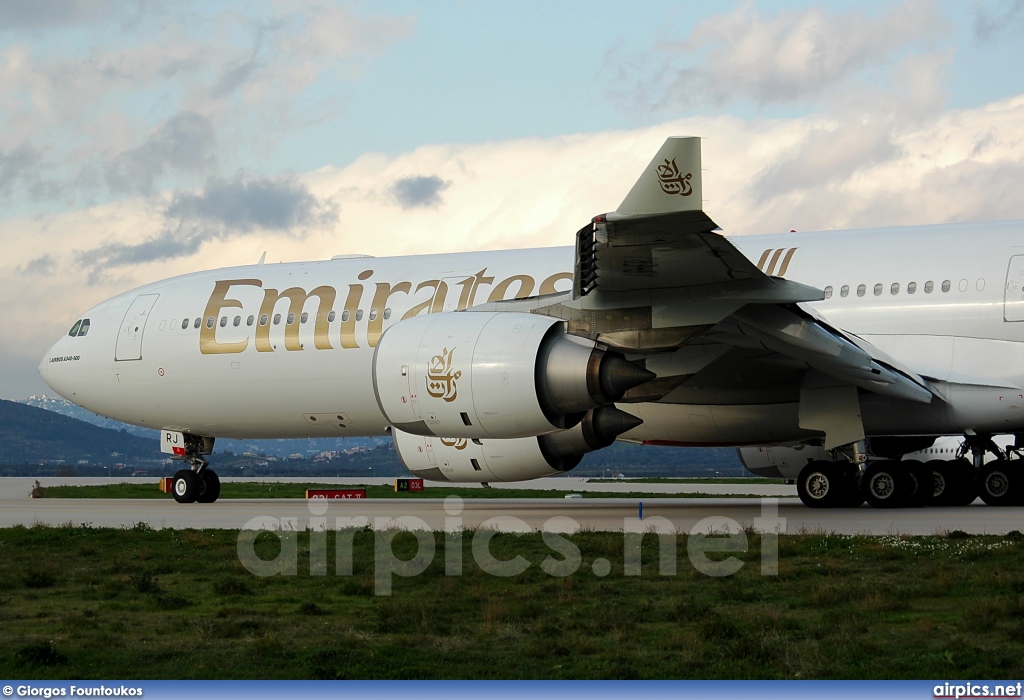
(500, 375)
(474, 461)
(518, 459)
(781, 461)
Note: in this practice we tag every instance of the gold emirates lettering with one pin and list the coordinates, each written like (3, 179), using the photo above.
(428, 296)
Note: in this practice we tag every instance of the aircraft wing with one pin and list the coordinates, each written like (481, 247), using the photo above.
(658, 261)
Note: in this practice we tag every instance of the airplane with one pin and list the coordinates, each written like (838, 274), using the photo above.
(860, 346)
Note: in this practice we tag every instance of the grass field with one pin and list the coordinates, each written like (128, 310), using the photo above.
(135, 604)
(233, 489)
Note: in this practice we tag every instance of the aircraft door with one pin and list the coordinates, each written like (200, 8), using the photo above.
(1013, 295)
(129, 338)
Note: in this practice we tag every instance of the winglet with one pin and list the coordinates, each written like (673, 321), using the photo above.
(670, 183)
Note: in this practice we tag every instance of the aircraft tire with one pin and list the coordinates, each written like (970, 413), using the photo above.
(853, 493)
(944, 481)
(964, 488)
(209, 487)
(185, 486)
(821, 485)
(922, 484)
(998, 484)
(887, 485)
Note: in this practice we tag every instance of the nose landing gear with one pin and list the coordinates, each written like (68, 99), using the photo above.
(199, 484)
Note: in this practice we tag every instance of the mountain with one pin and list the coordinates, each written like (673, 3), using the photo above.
(30, 435)
(307, 447)
(45, 437)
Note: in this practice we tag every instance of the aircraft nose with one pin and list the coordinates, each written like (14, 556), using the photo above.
(50, 366)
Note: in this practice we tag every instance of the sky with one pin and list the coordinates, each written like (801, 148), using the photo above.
(141, 140)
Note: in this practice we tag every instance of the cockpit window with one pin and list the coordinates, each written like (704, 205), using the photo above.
(85, 327)
(74, 329)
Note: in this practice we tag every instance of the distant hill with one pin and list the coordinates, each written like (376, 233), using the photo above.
(31, 435)
(42, 440)
(307, 447)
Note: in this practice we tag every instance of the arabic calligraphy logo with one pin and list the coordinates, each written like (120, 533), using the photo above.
(440, 378)
(457, 443)
(672, 182)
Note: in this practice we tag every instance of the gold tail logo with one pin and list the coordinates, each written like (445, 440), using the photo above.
(672, 181)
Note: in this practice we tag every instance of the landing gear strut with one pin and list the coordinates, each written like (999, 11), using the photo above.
(199, 483)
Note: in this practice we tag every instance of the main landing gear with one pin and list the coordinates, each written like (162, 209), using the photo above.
(200, 484)
(909, 483)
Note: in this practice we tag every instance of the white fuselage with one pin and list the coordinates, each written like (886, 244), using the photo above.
(145, 361)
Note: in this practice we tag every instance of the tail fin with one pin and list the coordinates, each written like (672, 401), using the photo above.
(670, 183)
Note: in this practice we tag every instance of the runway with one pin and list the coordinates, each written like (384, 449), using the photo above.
(786, 515)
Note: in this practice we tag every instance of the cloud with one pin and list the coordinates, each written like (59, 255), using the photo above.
(419, 191)
(17, 165)
(184, 143)
(243, 204)
(23, 170)
(222, 210)
(43, 265)
(826, 154)
(187, 93)
(989, 25)
(53, 14)
(792, 56)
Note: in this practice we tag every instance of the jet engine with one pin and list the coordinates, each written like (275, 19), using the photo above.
(518, 459)
(781, 461)
(505, 375)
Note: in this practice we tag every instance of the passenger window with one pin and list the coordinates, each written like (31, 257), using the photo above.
(237, 322)
(344, 315)
(304, 317)
(828, 292)
(198, 322)
(895, 288)
(963, 285)
(911, 287)
(291, 319)
(330, 317)
(387, 314)
(210, 321)
(861, 289)
(184, 324)
(277, 319)
(263, 319)
(945, 285)
(373, 314)
(74, 329)
(844, 291)
(878, 290)
(928, 287)
(359, 315)
(249, 321)
(223, 321)
(84, 328)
